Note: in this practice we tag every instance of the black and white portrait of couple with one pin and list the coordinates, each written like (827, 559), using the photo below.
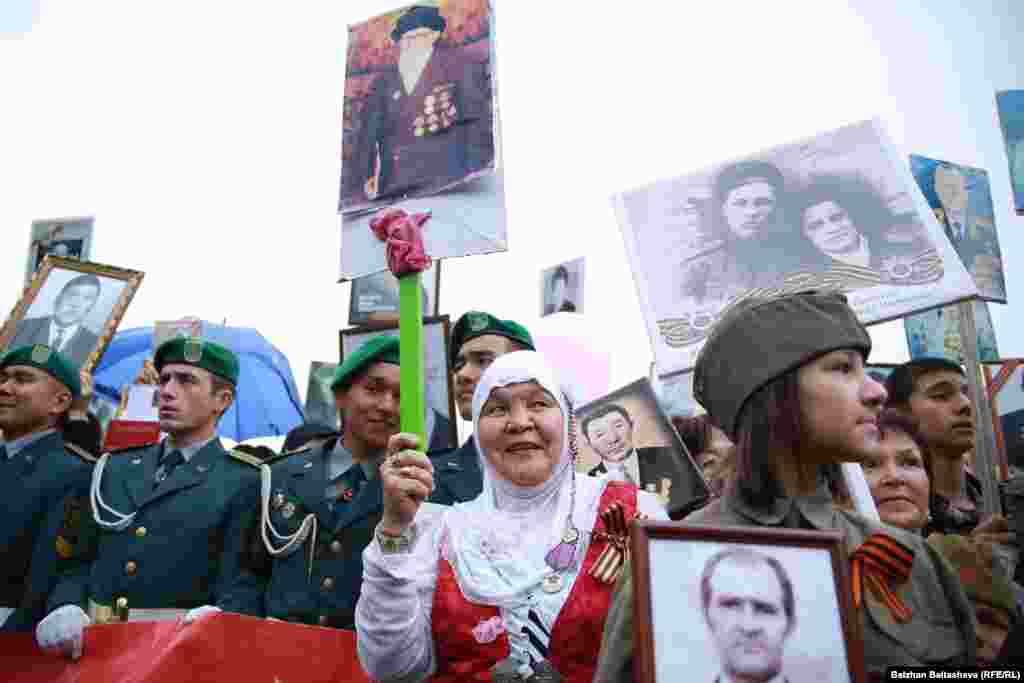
(834, 212)
(745, 610)
(562, 288)
(72, 307)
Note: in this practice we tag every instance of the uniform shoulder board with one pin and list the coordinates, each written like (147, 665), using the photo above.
(81, 453)
(247, 458)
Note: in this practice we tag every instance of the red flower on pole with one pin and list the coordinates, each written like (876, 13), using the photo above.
(404, 237)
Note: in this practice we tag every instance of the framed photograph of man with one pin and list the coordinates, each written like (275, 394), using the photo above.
(1010, 104)
(374, 298)
(419, 104)
(440, 409)
(626, 436)
(961, 198)
(561, 288)
(165, 330)
(1005, 383)
(64, 237)
(838, 211)
(71, 306)
(320, 406)
(937, 333)
(730, 603)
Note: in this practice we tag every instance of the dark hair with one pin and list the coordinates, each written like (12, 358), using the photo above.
(561, 273)
(84, 279)
(900, 383)
(865, 207)
(748, 556)
(735, 175)
(695, 432)
(893, 420)
(606, 409)
(418, 16)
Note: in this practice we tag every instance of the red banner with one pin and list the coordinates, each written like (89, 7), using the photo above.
(217, 648)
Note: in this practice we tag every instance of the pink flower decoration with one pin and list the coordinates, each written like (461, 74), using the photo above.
(489, 630)
(404, 236)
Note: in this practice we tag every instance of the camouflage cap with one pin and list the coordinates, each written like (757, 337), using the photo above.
(54, 363)
(200, 353)
(477, 323)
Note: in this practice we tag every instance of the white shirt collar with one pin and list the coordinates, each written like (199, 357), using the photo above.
(68, 332)
(411, 67)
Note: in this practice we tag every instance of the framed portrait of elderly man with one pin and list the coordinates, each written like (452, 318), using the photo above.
(72, 306)
(374, 298)
(64, 237)
(730, 604)
(838, 211)
(419, 102)
(440, 409)
(626, 436)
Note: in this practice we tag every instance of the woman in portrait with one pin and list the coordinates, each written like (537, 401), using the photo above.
(807, 405)
(899, 477)
(511, 583)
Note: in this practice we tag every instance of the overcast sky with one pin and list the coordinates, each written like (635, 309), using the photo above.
(205, 136)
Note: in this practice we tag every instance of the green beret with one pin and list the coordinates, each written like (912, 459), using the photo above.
(53, 362)
(975, 565)
(477, 323)
(200, 353)
(759, 339)
(383, 349)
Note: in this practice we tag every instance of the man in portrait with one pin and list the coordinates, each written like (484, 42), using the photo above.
(749, 608)
(64, 330)
(426, 122)
(558, 300)
(609, 431)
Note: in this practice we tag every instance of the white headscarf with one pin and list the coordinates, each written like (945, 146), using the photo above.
(497, 543)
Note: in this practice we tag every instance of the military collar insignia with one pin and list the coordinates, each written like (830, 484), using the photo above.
(40, 354)
(193, 351)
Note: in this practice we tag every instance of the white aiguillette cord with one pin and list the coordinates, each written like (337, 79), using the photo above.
(97, 502)
(291, 541)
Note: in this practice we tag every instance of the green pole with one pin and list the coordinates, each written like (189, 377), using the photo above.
(410, 334)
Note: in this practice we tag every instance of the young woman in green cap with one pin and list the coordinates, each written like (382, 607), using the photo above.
(785, 379)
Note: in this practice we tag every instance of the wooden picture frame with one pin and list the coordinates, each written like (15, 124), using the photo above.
(384, 285)
(669, 560)
(95, 297)
(442, 427)
(658, 452)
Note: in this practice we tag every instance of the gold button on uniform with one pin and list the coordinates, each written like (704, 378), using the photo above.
(335, 547)
(322, 620)
(129, 568)
(140, 532)
(328, 584)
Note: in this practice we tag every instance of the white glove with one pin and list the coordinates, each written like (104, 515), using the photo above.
(62, 629)
(199, 612)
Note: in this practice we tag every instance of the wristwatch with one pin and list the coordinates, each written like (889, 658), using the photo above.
(390, 545)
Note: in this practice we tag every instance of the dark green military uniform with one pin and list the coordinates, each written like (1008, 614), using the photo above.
(43, 491)
(940, 633)
(181, 549)
(323, 589)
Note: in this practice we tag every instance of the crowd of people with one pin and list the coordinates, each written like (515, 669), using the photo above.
(499, 558)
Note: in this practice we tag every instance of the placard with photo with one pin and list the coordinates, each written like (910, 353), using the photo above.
(374, 298)
(64, 237)
(561, 288)
(320, 406)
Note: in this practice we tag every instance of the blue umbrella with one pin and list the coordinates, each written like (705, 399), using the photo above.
(267, 401)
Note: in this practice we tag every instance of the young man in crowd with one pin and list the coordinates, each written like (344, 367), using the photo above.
(43, 483)
(164, 529)
(477, 340)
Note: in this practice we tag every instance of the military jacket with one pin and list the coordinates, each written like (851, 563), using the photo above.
(457, 475)
(43, 491)
(940, 633)
(317, 581)
(181, 549)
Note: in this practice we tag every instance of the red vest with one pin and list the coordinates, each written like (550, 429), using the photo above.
(575, 637)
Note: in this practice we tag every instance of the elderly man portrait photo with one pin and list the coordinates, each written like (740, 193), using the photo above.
(748, 604)
(64, 328)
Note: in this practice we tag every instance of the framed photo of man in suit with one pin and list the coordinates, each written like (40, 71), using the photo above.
(442, 433)
(64, 237)
(374, 298)
(73, 307)
(730, 603)
(626, 436)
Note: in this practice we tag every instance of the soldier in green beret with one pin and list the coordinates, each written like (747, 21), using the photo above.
(166, 520)
(43, 484)
(319, 505)
(478, 338)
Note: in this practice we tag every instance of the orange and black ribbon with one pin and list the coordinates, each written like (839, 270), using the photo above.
(880, 563)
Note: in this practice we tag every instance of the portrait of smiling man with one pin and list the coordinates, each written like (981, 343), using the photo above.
(748, 605)
(64, 328)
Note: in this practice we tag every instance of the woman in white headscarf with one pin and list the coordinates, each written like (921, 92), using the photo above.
(515, 583)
